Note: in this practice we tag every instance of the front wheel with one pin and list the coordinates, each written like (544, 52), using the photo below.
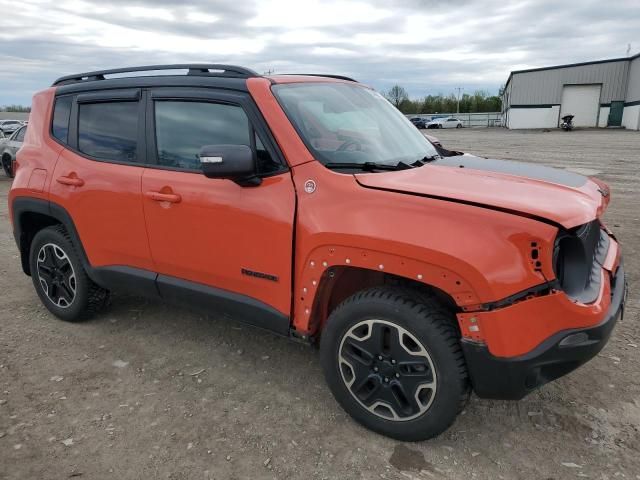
(394, 362)
(459, 125)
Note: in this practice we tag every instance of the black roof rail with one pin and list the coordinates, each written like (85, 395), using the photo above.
(339, 77)
(201, 69)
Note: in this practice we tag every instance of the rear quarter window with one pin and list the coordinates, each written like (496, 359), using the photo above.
(61, 115)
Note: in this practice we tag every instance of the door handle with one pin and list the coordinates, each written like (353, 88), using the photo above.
(164, 197)
(72, 180)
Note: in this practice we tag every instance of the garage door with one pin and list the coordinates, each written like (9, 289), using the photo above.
(583, 101)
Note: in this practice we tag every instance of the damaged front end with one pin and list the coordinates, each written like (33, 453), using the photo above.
(518, 344)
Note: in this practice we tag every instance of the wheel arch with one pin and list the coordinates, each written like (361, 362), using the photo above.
(341, 282)
(333, 273)
(30, 215)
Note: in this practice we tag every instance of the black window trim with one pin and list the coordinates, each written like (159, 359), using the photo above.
(53, 111)
(125, 94)
(257, 124)
(110, 96)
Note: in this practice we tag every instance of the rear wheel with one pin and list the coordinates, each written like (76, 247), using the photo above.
(459, 125)
(60, 279)
(394, 363)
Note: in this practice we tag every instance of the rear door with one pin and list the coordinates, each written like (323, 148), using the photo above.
(97, 176)
(213, 232)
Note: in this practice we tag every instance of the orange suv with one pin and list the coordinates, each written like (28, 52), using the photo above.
(309, 206)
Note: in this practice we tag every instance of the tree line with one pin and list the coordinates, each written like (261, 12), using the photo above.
(478, 102)
(14, 108)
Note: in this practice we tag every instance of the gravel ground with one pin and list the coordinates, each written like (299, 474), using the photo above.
(147, 390)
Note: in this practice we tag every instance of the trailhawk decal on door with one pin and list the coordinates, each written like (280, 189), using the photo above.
(264, 276)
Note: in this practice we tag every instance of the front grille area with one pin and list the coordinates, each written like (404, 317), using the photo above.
(578, 257)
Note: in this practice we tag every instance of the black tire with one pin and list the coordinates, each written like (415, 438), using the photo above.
(459, 125)
(51, 251)
(6, 166)
(427, 321)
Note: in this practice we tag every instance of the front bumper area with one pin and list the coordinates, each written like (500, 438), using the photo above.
(513, 378)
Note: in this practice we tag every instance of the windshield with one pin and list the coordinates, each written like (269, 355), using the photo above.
(342, 123)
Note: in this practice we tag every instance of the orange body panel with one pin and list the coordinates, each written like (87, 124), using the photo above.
(106, 209)
(473, 254)
(218, 227)
(519, 328)
(39, 153)
(529, 196)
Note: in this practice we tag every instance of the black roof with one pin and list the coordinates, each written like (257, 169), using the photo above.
(197, 75)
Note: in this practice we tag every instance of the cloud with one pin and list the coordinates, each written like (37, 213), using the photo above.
(427, 46)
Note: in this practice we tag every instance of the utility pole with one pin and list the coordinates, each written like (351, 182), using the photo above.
(269, 72)
(458, 98)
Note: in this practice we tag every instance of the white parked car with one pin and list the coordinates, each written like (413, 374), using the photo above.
(445, 122)
(9, 126)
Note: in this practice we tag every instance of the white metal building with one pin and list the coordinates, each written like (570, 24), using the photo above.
(600, 94)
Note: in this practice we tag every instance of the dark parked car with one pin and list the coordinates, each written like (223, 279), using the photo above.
(9, 147)
(419, 122)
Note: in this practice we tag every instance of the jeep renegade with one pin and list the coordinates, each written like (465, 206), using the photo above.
(309, 206)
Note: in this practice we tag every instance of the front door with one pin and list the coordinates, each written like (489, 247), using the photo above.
(235, 239)
(615, 114)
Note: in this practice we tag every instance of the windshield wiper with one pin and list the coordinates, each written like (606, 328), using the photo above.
(373, 166)
(426, 159)
(368, 166)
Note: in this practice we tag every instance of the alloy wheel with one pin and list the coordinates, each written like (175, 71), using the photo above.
(387, 370)
(56, 275)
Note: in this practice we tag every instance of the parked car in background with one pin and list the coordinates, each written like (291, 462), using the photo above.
(9, 147)
(445, 122)
(9, 126)
(419, 122)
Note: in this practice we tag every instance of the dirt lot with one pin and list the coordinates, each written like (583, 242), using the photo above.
(121, 397)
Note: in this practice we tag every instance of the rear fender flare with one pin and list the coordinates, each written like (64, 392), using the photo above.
(24, 205)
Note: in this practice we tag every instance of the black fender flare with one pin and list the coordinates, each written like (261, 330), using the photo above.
(25, 205)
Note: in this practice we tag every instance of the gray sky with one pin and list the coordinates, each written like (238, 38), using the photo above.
(427, 46)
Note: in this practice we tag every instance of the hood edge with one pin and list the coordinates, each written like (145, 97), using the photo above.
(509, 211)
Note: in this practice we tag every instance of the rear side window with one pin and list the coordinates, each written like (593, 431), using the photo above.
(108, 130)
(61, 114)
(183, 128)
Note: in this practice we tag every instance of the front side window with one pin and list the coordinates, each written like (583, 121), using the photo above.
(183, 128)
(345, 123)
(108, 130)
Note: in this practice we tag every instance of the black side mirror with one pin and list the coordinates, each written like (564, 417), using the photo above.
(235, 162)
